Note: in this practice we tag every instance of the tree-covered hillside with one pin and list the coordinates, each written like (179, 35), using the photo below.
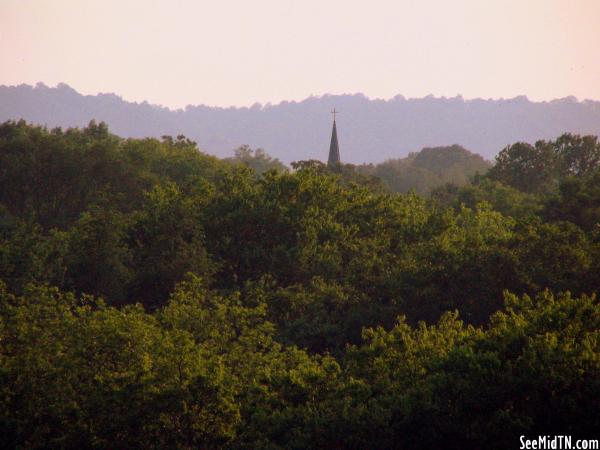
(370, 130)
(152, 296)
(428, 169)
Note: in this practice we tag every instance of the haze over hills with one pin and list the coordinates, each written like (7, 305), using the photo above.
(370, 130)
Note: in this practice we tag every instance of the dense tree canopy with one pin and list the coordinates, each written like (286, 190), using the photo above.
(539, 168)
(428, 169)
(152, 296)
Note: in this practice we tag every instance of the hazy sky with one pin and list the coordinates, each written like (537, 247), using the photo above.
(224, 52)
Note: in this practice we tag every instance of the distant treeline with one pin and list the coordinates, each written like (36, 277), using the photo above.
(421, 172)
(370, 130)
(152, 296)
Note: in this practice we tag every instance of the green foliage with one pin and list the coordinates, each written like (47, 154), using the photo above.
(98, 260)
(51, 177)
(449, 386)
(428, 169)
(539, 168)
(464, 266)
(579, 156)
(29, 255)
(504, 199)
(526, 167)
(556, 255)
(577, 201)
(167, 241)
(154, 297)
(79, 374)
(258, 160)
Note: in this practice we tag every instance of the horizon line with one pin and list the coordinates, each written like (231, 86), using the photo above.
(258, 105)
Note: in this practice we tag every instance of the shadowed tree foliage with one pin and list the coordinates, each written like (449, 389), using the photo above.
(503, 198)
(51, 177)
(152, 296)
(539, 168)
(577, 201)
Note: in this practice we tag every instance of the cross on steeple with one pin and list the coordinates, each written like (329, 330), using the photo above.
(334, 112)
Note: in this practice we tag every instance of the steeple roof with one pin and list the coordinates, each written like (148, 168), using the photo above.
(334, 148)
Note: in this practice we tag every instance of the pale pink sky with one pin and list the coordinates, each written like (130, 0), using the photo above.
(225, 52)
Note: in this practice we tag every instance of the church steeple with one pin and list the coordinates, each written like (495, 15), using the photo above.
(334, 149)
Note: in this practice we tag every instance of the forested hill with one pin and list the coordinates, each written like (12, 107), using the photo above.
(369, 130)
(428, 169)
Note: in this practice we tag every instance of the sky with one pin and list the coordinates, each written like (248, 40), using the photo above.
(237, 53)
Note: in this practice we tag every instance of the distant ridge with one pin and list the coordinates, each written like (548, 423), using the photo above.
(370, 131)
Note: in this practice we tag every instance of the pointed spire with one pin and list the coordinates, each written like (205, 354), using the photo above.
(334, 149)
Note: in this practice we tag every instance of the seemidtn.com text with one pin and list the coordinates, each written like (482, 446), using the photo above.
(557, 442)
